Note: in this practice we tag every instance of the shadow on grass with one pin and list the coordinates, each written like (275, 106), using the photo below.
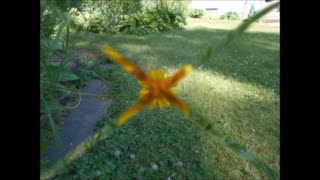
(253, 57)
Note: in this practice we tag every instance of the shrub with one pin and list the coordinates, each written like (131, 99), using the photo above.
(231, 15)
(51, 15)
(96, 17)
(48, 21)
(130, 6)
(128, 16)
(101, 16)
(140, 23)
(197, 13)
(154, 17)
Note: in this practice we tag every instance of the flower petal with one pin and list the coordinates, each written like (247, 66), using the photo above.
(134, 109)
(180, 74)
(143, 93)
(166, 102)
(160, 104)
(118, 58)
(179, 104)
(153, 104)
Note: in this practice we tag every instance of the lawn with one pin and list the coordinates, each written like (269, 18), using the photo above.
(236, 90)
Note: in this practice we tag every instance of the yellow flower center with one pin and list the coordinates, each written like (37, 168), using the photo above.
(156, 86)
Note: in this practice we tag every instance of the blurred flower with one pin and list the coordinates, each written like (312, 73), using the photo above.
(156, 86)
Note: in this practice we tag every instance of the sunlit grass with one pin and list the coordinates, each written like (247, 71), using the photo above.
(230, 25)
(244, 111)
(237, 90)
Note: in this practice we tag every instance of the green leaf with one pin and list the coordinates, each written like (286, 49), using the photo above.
(49, 44)
(67, 75)
(64, 74)
(51, 121)
(154, 24)
(53, 106)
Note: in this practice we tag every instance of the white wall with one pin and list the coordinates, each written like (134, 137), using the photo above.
(239, 6)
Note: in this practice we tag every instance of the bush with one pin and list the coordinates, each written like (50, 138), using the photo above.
(154, 17)
(171, 14)
(48, 21)
(130, 6)
(101, 16)
(140, 23)
(50, 15)
(128, 16)
(197, 13)
(231, 15)
(96, 16)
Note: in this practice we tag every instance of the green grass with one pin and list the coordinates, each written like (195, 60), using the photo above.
(236, 90)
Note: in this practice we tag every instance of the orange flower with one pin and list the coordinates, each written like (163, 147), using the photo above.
(156, 86)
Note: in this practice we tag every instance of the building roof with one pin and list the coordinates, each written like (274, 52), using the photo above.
(211, 8)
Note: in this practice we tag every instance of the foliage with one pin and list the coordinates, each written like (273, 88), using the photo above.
(48, 20)
(96, 16)
(154, 17)
(53, 79)
(231, 15)
(129, 6)
(52, 91)
(138, 23)
(101, 16)
(197, 13)
(128, 16)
